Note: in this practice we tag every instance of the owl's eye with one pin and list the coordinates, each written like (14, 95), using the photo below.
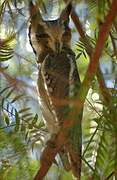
(44, 35)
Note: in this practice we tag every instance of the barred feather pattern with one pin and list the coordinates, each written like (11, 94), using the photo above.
(58, 81)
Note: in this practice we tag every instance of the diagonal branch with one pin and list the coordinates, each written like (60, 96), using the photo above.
(89, 50)
(49, 152)
(103, 33)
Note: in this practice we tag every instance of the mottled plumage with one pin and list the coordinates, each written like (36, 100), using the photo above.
(58, 78)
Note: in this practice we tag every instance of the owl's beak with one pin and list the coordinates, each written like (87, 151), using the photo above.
(58, 47)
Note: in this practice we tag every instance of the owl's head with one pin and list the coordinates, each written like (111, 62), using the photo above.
(51, 35)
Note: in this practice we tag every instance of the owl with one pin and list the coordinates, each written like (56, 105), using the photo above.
(58, 78)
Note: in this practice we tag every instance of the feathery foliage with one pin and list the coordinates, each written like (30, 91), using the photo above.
(21, 128)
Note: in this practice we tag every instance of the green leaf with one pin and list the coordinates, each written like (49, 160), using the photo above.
(3, 68)
(41, 124)
(9, 94)
(5, 54)
(17, 119)
(23, 128)
(81, 46)
(24, 110)
(30, 126)
(26, 136)
(7, 107)
(16, 98)
(35, 119)
(78, 56)
(7, 120)
(26, 115)
(2, 103)
(79, 50)
(4, 89)
(84, 54)
(6, 47)
(28, 119)
(6, 58)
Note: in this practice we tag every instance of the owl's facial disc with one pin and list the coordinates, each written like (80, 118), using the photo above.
(55, 32)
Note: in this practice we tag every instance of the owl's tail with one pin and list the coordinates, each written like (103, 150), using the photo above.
(65, 159)
(75, 146)
(70, 153)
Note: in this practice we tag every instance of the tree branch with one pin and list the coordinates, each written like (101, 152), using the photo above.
(89, 50)
(103, 33)
(49, 152)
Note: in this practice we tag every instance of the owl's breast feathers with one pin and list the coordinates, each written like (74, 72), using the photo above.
(58, 81)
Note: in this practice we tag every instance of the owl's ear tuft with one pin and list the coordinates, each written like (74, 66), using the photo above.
(66, 13)
(34, 12)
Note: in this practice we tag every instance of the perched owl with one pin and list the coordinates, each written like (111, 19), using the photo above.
(58, 79)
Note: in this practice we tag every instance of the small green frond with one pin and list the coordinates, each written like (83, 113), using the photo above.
(17, 98)
(23, 127)
(26, 115)
(26, 135)
(6, 48)
(4, 89)
(3, 68)
(24, 110)
(78, 56)
(30, 126)
(2, 103)
(28, 119)
(9, 42)
(41, 124)
(9, 93)
(6, 119)
(92, 5)
(35, 119)
(5, 55)
(104, 164)
(17, 119)
(81, 50)
(2, 9)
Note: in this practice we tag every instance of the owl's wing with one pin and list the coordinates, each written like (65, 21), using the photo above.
(45, 104)
(60, 83)
(54, 87)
